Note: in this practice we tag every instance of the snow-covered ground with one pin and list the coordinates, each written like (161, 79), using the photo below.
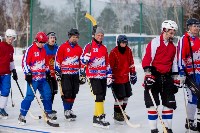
(83, 107)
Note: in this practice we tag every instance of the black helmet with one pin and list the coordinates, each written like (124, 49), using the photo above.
(72, 32)
(122, 38)
(192, 21)
(51, 34)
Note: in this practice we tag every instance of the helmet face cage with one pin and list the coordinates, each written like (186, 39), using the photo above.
(72, 32)
(51, 34)
(192, 21)
(122, 38)
(41, 37)
(169, 25)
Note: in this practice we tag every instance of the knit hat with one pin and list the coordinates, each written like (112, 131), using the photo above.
(99, 30)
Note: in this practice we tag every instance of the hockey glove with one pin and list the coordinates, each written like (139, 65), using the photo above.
(82, 79)
(149, 81)
(133, 78)
(58, 76)
(109, 80)
(87, 57)
(29, 78)
(15, 77)
(82, 72)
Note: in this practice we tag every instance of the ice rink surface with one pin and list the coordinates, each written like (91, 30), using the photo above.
(83, 108)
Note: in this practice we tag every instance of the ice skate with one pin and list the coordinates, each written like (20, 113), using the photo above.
(69, 115)
(21, 120)
(99, 121)
(3, 114)
(118, 118)
(192, 127)
(154, 131)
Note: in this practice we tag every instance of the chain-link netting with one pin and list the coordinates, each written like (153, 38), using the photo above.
(130, 18)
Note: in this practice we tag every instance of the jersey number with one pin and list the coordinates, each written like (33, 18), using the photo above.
(36, 54)
(95, 49)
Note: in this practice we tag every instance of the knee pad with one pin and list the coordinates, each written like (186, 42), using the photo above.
(68, 94)
(5, 92)
(148, 100)
(47, 97)
(100, 98)
(29, 97)
(170, 104)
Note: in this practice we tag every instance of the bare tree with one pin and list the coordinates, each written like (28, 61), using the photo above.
(126, 11)
(16, 16)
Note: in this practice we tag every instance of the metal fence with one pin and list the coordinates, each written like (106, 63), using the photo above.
(117, 17)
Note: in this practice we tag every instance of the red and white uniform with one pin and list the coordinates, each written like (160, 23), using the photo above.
(98, 65)
(68, 58)
(184, 54)
(6, 56)
(161, 55)
(34, 61)
(121, 65)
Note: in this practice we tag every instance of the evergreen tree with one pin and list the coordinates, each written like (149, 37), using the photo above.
(39, 18)
(108, 20)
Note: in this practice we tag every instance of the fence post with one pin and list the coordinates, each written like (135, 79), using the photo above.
(139, 46)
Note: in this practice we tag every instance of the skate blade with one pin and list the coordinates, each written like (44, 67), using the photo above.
(52, 121)
(21, 123)
(119, 122)
(4, 117)
(187, 131)
(100, 126)
(71, 119)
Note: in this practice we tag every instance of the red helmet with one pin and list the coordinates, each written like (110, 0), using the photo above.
(41, 37)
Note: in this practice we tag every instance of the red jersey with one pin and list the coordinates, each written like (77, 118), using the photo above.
(6, 56)
(184, 53)
(121, 65)
(98, 65)
(67, 58)
(159, 54)
(35, 61)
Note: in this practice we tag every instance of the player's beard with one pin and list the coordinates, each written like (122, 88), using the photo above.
(121, 49)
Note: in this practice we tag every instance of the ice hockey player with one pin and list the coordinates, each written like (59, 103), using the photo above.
(99, 74)
(51, 49)
(159, 63)
(6, 68)
(67, 66)
(119, 55)
(190, 44)
(35, 67)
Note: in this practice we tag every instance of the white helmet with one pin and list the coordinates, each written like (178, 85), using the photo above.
(169, 25)
(10, 32)
(1, 39)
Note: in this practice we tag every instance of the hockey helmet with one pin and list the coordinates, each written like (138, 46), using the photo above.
(51, 34)
(72, 32)
(169, 25)
(192, 21)
(10, 33)
(41, 37)
(122, 38)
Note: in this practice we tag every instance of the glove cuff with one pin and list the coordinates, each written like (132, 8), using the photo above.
(133, 73)
(29, 73)
(13, 71)
(149, 70)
